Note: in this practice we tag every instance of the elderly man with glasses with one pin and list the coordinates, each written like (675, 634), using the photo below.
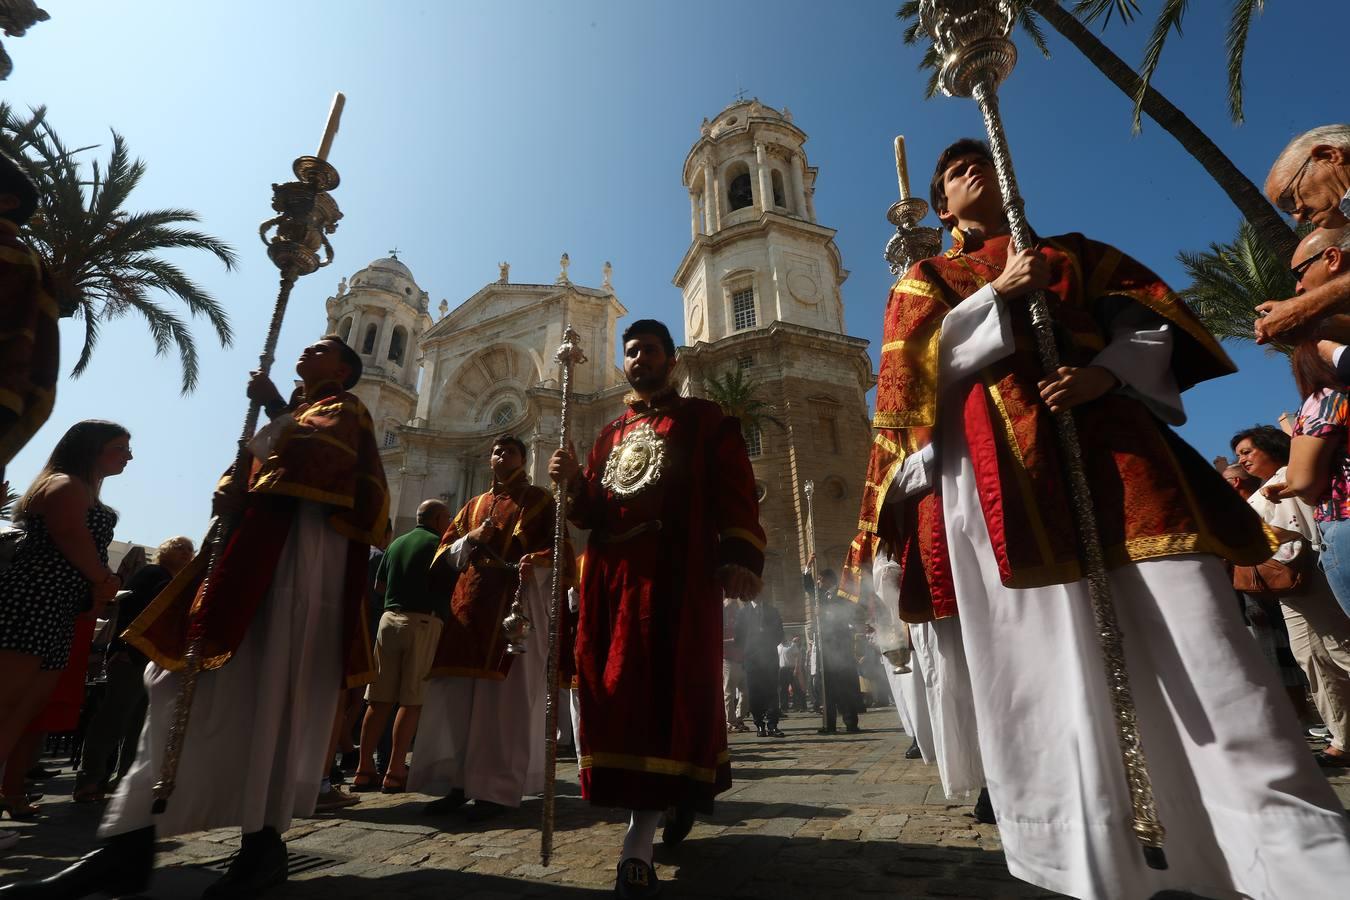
(1311, 182)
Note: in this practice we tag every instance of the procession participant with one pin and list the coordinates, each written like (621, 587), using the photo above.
(1310, 181)
(405, 644)
(29, 343)
(1245, 808)
(281, 630)
(669, 496)
(483, 734)
(759, 631)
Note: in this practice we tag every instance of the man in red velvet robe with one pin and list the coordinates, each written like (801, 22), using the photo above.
(1245, 809)
(282, 632)
(482, 734)
(669, 498)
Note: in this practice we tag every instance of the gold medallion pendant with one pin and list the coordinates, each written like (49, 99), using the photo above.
(635, 462)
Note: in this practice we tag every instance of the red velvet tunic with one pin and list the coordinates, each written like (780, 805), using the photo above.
(649, 642)
(472, 643)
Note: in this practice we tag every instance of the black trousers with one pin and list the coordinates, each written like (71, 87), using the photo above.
(842, 697)
(761, 683)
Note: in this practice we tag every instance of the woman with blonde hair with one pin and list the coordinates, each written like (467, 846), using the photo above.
(60, 568)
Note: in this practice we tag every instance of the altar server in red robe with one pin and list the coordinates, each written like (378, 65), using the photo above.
(282, 633)
(1246, 810)
(668, 495)
(482, 733)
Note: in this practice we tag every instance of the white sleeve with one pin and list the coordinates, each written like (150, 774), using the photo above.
(459, 553)
(915, 476)
(1139, 354)
(975, 334)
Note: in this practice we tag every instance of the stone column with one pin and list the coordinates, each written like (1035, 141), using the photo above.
(712, 199)
(798, 191)
(693, 215)
(354, 336)
(378, 352)
(762, 176)
(810, 204)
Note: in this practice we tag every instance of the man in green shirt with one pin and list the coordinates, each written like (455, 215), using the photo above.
(405, 645)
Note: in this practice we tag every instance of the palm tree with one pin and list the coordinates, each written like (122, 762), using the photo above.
(1170, 18)
(103, 260)
(1270, 228)
(739, 397)
(7, 499)
(1229, 280)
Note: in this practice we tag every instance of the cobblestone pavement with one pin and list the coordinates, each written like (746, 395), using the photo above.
(808, 816)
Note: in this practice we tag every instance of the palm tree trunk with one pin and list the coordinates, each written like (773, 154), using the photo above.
(1273, 231)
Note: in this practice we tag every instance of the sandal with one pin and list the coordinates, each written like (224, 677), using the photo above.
(364, 782)
(89, 794)
(393, 784)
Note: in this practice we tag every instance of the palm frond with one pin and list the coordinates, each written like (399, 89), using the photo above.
(1169, 19)
(1092, 10)
(1239, 25)
(104, 260)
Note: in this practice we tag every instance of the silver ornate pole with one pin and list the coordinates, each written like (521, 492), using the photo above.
(569, 354)
(972, 40)
(306, 215)
(810, 490)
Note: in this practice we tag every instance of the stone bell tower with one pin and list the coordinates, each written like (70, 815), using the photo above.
(382, 314)
(761, 283)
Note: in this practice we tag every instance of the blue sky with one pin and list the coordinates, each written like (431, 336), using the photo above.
(509, 130)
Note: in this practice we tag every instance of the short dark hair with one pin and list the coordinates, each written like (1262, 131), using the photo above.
(349, 357)
(652, 327)
(510, 440)
(1267, 438)
(937, 191)
(14, 180)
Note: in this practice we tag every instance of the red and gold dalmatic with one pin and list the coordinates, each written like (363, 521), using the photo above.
(329, 456)
(30, 346)
(1154, 496)
(669, 497)
(472, 644)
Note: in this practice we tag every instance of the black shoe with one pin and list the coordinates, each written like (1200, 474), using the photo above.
(761, 731)
(483, 810)
(567, 752)
(120, 867)
(259, 866)
(853, 729)
(827, 731)
(774, 731)
(984, 809)
(636, 880)
(37, 773)
(445, 805)
(679, 820)
(914, 752)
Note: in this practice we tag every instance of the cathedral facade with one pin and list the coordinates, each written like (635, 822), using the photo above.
(761, 293)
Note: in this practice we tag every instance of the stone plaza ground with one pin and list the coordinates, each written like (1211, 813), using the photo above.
(808, 816)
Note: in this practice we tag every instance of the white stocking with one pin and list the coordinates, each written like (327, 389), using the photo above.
(641, 835)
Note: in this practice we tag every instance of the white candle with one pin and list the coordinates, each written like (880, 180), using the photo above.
(334, 116)
(901, 169)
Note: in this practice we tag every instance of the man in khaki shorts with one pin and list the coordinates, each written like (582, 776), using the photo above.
(405, 646)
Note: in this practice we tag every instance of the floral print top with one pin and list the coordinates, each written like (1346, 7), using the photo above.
(1326, 415)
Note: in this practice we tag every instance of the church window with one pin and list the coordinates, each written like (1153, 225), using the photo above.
(743, 308)
(345, 330)
(745, 362)
(504, 414)
(778, 194)
(754, 441)
(368, 345)
(828, 434)
(740, 193)
(390, 438)
(397, 343)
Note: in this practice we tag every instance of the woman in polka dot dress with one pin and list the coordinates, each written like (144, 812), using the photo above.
(59, 570)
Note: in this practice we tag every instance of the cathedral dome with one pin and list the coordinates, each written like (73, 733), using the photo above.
(390, 274)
